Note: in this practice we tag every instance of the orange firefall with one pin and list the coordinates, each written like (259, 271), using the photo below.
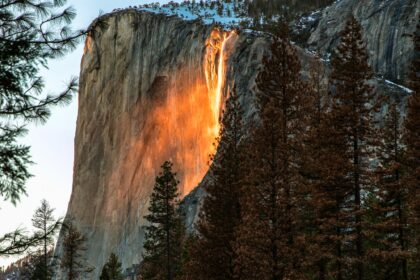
(206, 108)
(184, 125)
(218, 51)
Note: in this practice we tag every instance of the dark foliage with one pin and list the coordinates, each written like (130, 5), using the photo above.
(31, 33)
(165, 232)
(72, 262)
(220, 213)
(270, 240)
(112, 269)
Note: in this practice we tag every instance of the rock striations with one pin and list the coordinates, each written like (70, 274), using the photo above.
(139, 76)
(388, 27)
(145, 96)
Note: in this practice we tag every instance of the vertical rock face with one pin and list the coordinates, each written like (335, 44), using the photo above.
(388, 27)
(148, 92)
(143, 100)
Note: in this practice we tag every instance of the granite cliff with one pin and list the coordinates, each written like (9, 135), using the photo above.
(388, 27)
(152, 88)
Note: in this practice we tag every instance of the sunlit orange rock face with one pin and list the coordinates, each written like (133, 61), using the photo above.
(183, 117)
(152, 89)
(185, 122)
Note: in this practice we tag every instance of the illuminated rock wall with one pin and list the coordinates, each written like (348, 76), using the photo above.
(148, 90)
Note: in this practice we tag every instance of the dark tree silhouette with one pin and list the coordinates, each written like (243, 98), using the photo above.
(112, 269)
(31, 33)
(72, 262)
(220, 213)
(43, 220)
(388, 201)
(164, 234)
(351, 113)
(270, 241)
(412, 156)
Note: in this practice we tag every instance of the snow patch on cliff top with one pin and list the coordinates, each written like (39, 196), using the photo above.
(210, 12)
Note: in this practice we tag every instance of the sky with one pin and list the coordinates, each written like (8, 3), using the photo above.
(53, 143)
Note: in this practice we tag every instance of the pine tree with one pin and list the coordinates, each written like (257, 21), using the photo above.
(190, 268)
(351, 112)
(412, 156)
(220, 213)
(72, 262)
(389, 202)
(164, 234)
(112, 269)
(28, 267)
(270, 240)
(33, 267)
(323, 179)
(19, 241)
(43, 220)
(329, 194)
(32, 33)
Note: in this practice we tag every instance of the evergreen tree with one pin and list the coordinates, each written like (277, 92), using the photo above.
(43, 220)
(28, 267)
(164, 234)
(285, 9)
(412, 156)
(72, 263)
(270, 239)
(324, 179)
(20, 241)
(220, 213)
(190, 268)
(31, 33)
(112, 269)
(389, 203)
(351, 116)
(330, 188)
(33, 267)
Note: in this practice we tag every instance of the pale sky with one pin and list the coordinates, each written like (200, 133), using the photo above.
(53, 143)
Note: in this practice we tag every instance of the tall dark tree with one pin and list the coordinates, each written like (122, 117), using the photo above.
(351, 112)
(389, 202)
(72, 262)
(190, 266)
(19, 241)
(220, 213)
(33, 267)
(270, 243)
(329, 191)
(412, 156)
(27, 267)
(46, 225)
(164, 234)
(321, 169)
(31, 33)
(112, 270)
